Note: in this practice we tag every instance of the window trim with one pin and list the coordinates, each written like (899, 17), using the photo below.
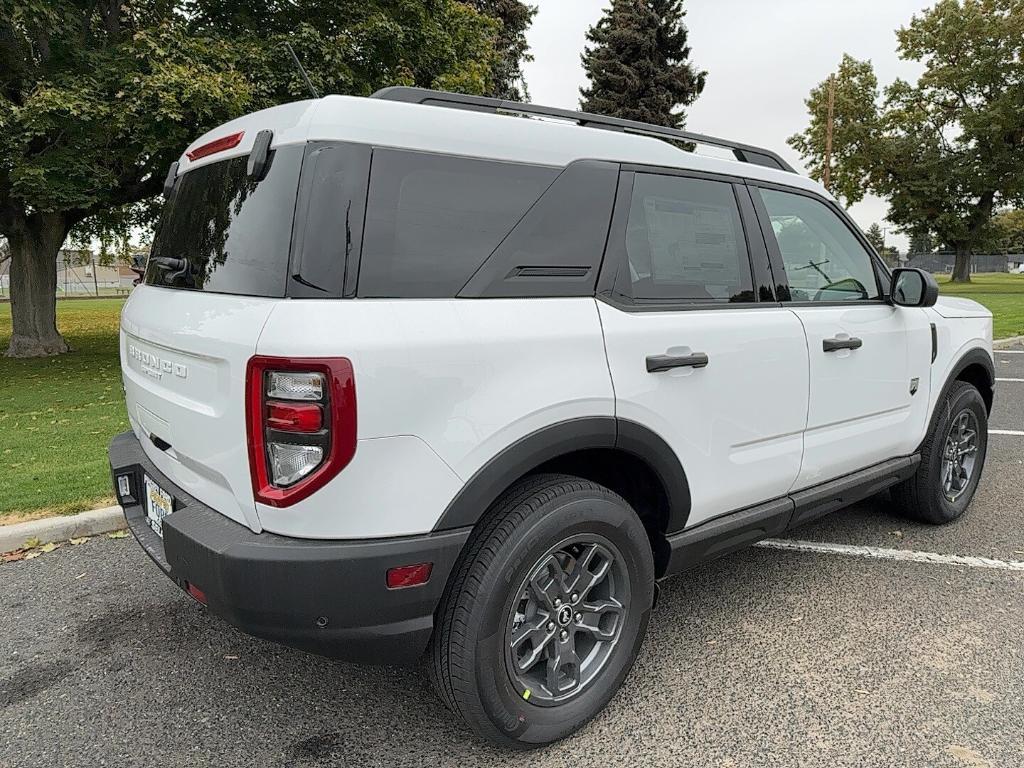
(615, 249)
(775, 254)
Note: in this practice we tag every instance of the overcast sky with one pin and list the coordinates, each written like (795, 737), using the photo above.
(762, 59)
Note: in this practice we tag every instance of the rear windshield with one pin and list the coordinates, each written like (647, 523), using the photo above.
(224, 233)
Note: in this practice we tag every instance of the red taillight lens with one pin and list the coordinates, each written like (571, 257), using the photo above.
(301, 420)
(288, 417)
(409, 575)
(217, 145)
(195, 593)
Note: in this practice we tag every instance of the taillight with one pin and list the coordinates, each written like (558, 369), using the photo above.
(301, 417)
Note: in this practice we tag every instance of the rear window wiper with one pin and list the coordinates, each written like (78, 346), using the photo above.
(176, 269)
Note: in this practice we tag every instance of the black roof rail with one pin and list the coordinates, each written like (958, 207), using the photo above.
(743, 152)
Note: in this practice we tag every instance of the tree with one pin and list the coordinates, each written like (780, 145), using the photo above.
(876, 237)
(638, 63)
(948, 151)
(507, 81)
(98, 98)
(1009, 231)
(854, 91)
(921, 243)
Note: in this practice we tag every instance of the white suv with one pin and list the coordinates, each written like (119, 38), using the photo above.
(410, 375)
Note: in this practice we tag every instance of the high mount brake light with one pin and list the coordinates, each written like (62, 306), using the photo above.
(217, 145)
(301, 423)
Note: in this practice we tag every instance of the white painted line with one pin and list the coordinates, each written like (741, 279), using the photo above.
(998, 379)
(1018, 432)
(1009, 351)
(879, 553)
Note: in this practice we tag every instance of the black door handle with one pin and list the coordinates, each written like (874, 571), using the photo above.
(657, 363)
(832, 345)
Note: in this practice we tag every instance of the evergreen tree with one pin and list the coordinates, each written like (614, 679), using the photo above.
(507, 81)
(876, 237)
(638, 63)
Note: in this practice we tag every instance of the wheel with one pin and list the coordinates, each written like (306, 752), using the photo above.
(952, 458)
(545, 611)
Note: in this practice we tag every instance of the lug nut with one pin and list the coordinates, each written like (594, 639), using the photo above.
(551, 626)
(579, 617)
(575, 596)
(558, 601)
(563, 635)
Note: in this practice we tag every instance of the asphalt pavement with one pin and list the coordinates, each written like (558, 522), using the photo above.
(763, 658)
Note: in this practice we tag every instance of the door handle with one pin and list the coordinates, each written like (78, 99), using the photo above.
(832, 345)
(657, 363)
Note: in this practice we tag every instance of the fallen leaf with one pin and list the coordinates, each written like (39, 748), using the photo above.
(33, 554)
(10, 557)
(117, 535)
(32, 543)
(861, 690)
(48, 547)
(79, 540)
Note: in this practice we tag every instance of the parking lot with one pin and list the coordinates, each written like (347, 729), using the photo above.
(770, 657)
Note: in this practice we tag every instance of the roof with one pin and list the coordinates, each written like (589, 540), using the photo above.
(468, 133)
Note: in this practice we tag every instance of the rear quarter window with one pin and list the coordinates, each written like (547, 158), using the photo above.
(432, 220)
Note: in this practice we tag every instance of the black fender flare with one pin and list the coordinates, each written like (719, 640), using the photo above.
(559, 439)
(975, 356)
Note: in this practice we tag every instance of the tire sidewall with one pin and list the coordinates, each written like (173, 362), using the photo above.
(579, 513)
(959, 399)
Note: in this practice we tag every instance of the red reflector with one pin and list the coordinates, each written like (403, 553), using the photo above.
(197, 594)
(217, 145)
(305, 417)
(409, 575)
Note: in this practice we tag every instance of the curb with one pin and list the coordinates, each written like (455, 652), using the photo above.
(49, 529)
(1010, 342)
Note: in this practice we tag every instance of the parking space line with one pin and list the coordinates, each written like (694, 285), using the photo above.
(998, 379)
(880, 553)
(1017, 432)
(1010, 352)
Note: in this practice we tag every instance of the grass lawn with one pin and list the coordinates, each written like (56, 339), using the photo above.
(57, 415)
(1001, 293)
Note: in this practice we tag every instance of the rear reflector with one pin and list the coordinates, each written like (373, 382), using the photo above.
(409, 575)
(196, 593)
(217, 145)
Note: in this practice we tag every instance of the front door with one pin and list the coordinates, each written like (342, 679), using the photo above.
(694, 352)
(869, 360)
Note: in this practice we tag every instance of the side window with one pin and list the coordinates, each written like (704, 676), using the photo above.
(824, 261)
(684, 242)
(432, 220)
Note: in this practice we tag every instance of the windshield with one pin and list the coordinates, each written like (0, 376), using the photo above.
(225, 233)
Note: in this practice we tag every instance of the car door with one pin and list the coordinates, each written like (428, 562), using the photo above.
(699, 350)
(869, 360)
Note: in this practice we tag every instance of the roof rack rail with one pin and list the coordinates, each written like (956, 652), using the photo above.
(745, 153)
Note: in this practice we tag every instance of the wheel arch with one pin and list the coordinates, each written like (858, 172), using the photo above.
(974, 367)
(625, 456)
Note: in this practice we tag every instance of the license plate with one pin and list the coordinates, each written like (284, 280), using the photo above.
(159, 505)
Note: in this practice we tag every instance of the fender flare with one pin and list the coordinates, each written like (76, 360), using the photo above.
(555, 440)
(973, 356)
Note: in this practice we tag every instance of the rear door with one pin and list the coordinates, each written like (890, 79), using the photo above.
(869, 360)
(218, 267)
(698, 348)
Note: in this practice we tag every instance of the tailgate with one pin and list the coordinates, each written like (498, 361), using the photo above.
(183, 357)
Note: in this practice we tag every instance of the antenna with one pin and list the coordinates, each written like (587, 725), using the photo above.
(302, 71)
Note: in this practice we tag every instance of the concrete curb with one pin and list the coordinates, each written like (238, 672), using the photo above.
(1010, 342)
(62, 528)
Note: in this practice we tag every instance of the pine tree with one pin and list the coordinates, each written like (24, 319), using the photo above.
(638, 63)
(507, 80)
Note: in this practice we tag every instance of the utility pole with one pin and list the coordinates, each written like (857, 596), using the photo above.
(827, 176)
(95, 282)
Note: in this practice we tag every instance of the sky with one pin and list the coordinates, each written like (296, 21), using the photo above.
(762, 58)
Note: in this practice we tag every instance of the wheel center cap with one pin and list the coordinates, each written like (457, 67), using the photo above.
(564, 615)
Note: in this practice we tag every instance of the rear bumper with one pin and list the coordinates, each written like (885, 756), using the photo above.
(327, 597)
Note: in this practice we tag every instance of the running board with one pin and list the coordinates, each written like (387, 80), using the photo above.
(737, 530)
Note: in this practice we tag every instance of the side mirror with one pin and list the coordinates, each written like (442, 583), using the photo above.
(913, 287)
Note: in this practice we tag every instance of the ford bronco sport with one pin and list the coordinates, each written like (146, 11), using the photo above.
(410, 376)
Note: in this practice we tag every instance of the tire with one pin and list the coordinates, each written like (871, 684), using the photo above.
(472, 664)
(923, 496)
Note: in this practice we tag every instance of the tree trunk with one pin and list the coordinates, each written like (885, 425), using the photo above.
(962, 266)
(35, 243)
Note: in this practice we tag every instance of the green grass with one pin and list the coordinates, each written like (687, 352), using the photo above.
(57, 414)
(1001, 293)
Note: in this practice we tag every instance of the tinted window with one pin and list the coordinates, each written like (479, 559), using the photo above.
(684, 241)
(824, 261)
(223, 232)
(432, 220)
